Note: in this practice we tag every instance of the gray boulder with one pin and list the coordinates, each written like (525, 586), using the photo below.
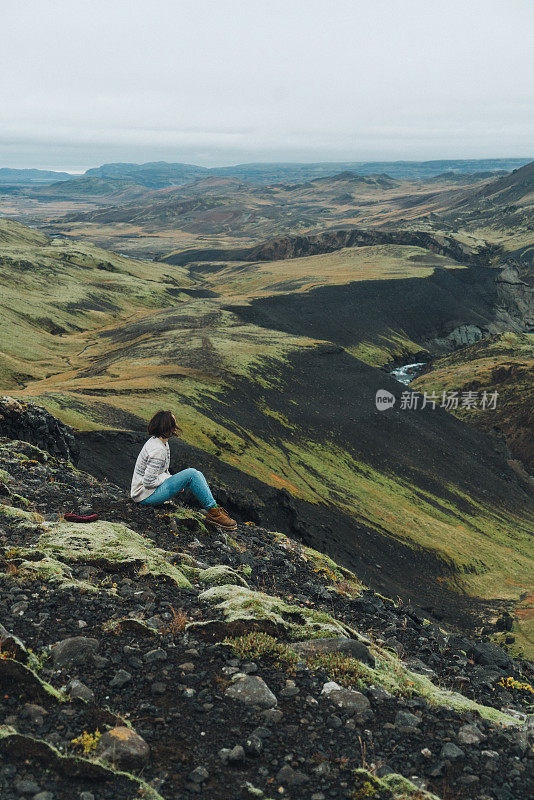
(80, 691)
(287, 776)
(74, 652)
(253, 691)
(470, 734)
(451, 752)
(335, 644)
(404, 719)
(345, 698)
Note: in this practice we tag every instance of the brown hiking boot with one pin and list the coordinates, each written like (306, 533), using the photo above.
(218, 517)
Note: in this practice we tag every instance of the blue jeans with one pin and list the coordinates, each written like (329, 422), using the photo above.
(186, 479)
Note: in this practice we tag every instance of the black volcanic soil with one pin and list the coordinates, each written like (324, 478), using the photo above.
(175, 697)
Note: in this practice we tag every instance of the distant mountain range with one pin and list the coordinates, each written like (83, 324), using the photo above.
(213, 204)
(9, 176)
(161, 174)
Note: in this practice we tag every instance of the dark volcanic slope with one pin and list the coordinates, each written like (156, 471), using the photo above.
(327, 398)
(423, 308)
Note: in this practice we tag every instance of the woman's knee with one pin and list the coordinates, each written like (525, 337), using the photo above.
(191, 473)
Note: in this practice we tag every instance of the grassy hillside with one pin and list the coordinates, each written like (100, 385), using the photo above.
(501, 212)
(55, 291)
(236, 281)
(504, 364)
(119, 338)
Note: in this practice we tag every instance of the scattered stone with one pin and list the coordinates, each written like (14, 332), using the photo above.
(252, 690)
(253, 745)
(416, 665)
(450, 752)
(287, 776)
(123, 747)
(77, 689)
(199, 775)
(34, 713)
(290, 690)
(379, 694)
(404, 719)
(470, 734)
(234, 755)
(345, 698)
(273, 715)
(120, 679)
(74, 651)
(156, 655)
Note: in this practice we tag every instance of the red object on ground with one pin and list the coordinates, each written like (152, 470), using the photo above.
(77, 518)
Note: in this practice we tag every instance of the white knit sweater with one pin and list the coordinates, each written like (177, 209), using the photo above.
(151, 468)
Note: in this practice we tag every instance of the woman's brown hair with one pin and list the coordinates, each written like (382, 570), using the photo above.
(163, 424)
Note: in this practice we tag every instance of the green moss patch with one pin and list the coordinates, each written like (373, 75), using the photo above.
(220, 575)
(19, 516)
(392, 787)
(108, 542)
(241, 605)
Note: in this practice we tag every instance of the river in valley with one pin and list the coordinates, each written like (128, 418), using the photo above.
(406, 373)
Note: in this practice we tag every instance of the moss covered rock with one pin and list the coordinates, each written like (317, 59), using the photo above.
(18, 516)
(110, 542)
(49, 569)
(220, 575)
(20, 745)
(391, 787)
(241, 605)
(404, 788)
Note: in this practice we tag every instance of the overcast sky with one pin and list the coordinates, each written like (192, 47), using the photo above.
(226, 81)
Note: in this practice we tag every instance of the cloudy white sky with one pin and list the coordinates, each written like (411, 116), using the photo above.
(225, 81)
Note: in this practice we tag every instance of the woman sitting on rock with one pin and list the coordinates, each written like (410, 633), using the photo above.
(152, 483)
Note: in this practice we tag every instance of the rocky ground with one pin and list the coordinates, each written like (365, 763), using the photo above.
(144, 656)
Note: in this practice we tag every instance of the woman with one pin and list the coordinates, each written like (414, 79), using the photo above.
(152, 483)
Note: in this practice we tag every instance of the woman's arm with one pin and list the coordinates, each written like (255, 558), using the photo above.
(154, 471)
